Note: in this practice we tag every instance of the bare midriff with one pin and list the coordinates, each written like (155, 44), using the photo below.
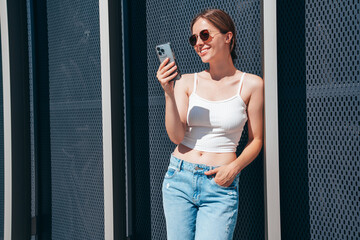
(209, 158)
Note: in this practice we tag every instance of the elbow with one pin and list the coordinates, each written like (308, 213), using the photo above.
(260, 142)
(256, 141)
(176, 135)
(177, 140)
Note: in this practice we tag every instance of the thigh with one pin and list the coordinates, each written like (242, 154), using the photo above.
(180, 212)
(217, 215)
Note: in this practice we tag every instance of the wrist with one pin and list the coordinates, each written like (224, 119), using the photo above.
(236, 166)
(169, 95)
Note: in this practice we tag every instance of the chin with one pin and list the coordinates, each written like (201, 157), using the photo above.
(205, 59)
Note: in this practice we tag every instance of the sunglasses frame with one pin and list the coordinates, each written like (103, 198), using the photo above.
(204, 39)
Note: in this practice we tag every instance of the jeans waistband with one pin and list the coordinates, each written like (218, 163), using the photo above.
(179, 164)
(192, 167)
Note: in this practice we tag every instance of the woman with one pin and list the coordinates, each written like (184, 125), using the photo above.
(205, 115)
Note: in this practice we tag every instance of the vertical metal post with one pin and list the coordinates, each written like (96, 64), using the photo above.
(113, 119)
(17, 187)
(7, 119)
(271, 146)
(106, 119)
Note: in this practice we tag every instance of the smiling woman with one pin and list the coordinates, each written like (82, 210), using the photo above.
(205, 115)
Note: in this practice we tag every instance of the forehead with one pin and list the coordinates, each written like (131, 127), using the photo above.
(201, 24)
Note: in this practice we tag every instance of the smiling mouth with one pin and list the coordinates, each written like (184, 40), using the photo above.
(204, 51)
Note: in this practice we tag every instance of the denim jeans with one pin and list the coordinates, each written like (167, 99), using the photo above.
(195, 206)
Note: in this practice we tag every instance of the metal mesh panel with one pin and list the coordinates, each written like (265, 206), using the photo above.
(1, 150)
(169, 21)
(333, 107)
(31, 110)
(75, 120)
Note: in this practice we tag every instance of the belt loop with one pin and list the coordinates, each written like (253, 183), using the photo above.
(179, 165)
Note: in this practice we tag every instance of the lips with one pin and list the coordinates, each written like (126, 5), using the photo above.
(203, 51)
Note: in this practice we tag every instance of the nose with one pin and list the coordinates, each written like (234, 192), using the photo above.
(199, 39)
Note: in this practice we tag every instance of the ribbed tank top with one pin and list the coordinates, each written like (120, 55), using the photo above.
(215, 126)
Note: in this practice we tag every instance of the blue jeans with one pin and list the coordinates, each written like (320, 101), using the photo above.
(195, 206)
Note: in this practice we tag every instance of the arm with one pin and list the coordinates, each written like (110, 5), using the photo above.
(226, 174)
(255, 126)
(176, 106)
(176, 101)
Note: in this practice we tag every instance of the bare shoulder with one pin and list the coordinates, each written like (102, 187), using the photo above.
(253, 82)
(185, 83)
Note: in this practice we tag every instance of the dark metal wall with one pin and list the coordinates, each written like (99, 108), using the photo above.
(293, 164)
(333, 117)
(75, 120)
(41, 155)
(139, 124)
(169, 21)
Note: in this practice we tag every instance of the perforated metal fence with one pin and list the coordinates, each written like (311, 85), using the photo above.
(31, 95)
(75, 120)
(333, 117)
(170, 21)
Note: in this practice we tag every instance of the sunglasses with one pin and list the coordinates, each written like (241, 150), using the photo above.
(204, 35)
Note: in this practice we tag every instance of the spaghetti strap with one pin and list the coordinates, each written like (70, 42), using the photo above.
(195, 79)
(241, 81)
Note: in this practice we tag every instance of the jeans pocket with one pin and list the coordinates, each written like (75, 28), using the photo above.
(171, 172)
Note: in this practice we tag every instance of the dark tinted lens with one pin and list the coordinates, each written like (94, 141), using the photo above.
(192, 40)
(204, 35)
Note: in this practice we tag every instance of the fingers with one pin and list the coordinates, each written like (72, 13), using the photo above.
(163, 63)
(211, 172)
(221, 183)
(168, 69)
(167, 73)
(164, 66)
(168, 79)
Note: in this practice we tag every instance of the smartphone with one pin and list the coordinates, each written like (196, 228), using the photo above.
(164, 51)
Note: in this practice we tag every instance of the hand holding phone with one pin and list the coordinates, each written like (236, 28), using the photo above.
(164, 51)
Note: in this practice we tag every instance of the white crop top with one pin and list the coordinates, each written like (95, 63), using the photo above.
(215, 126)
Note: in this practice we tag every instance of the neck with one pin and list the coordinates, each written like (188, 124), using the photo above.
(222, 68)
